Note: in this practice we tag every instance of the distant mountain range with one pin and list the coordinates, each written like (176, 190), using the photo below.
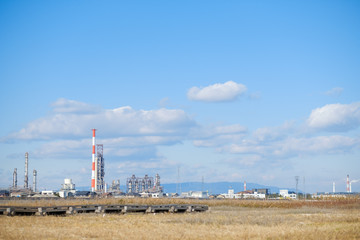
(216, 187)
(213, 188)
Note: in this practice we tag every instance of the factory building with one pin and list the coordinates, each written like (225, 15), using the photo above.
(67, 189)
(99, 169)
(195, 194)
(146, 184)
(27, 190)
(115, 186)
(331, 195)
(248, 194)
(284, 193)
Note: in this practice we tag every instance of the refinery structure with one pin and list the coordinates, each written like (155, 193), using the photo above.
(26, 177)
(98, 186)
(17, 190)
(146, 186)
(143, 185)
(98, 166)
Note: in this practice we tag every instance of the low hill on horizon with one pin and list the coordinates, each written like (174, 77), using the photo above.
(212, 188)
(215, 187)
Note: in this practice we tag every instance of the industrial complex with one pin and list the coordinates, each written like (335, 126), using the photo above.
(146, 186)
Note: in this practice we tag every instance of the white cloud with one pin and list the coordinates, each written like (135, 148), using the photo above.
(335, 92)
(63, 105)
(274, 133)
(131, 146)
(247, 147)
(74, 148)
(335, 117)
(141, 141)
(292, 146)
(218, 140)
(274, 144)
(315, 145)
(125, 132)
(214, 136)
(68, 123)
(212, 131)
(218, 92)
(230, 129)
(246, 160)
(134, 135)
(271, 145)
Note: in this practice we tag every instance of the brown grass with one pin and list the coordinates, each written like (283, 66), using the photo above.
(349, 203)
(226, 219)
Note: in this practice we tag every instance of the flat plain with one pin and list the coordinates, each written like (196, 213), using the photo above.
(226, 219)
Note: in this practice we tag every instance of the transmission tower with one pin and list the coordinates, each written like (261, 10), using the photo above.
(297, 183)
(304, 195)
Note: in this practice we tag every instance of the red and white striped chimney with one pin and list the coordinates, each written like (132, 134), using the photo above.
(244, 185)
(93, 162)
(347, 183)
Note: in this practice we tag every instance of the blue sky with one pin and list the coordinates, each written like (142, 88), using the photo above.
(260, 91)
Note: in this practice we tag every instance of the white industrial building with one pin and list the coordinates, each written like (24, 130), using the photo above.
(67, 189)
(253, 195)
(195, 194)
(230, 194)
(286, 194)
(48, 193)
(244, 195)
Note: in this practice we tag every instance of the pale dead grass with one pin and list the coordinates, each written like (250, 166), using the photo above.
(220, 222)
(350, 203)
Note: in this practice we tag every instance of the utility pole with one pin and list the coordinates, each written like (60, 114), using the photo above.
(297, 182)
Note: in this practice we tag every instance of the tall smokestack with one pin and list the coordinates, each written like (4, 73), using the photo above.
(347, 183)
(26, 179)
(333, 187)
(34, 180)
(244, 185)
(15, 178)
(93, 162)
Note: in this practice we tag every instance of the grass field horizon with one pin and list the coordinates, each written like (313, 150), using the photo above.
(226, 219)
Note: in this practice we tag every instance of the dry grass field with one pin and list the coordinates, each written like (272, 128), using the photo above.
(226, 219)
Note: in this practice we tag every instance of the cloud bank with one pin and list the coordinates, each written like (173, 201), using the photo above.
(219, 92)
(335, 117)
(134, 135)
(71, 121)
(275, 144)
(124, 131)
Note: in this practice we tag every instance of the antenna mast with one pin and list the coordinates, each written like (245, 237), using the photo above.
(297, 183)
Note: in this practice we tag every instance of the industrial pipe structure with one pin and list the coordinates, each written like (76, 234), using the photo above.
(34, 180)
(15, 178)
(26, 179)
(146, 184)
(99, 168)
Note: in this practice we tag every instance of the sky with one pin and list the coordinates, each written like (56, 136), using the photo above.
(256, 91)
